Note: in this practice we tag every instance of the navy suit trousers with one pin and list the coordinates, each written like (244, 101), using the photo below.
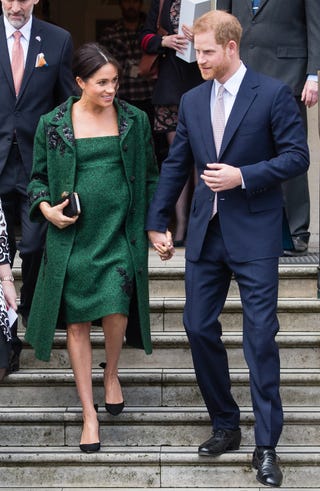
(207, 285)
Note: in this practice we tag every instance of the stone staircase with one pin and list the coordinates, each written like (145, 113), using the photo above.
(153, 443)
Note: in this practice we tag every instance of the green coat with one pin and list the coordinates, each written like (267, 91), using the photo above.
(54, 170)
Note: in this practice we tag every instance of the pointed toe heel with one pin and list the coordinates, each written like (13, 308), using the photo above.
(90, 447)
(114, 409)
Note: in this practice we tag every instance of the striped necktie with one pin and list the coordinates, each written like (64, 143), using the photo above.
(218, 124)
(255, 6)
(218, 119)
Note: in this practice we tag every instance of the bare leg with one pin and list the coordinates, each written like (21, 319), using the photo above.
(80, 353)
(114, 327)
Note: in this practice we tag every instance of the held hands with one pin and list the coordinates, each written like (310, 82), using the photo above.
(310, 93)
(162, 244)
(54, 214)
(221, 177)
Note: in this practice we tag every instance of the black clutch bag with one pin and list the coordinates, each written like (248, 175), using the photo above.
(73, 207)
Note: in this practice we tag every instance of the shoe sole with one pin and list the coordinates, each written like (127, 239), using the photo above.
(216, 454)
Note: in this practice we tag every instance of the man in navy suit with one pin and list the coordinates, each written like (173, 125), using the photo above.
(235, 227)
(47, 81)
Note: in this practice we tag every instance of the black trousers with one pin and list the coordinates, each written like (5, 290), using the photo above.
(15, 204)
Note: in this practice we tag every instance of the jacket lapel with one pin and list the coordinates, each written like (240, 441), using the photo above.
(262, 4)
(245, 97)
(204, 122)
(5, 64)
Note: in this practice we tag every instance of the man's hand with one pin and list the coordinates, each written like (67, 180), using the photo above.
(162, 244)
(221, 177)
(310, 93)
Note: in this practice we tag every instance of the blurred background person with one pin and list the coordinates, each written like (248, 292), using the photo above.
(7, 297)
(95, 265)
(282, 39)
(175, 77)
(122, 40)
(35, 63)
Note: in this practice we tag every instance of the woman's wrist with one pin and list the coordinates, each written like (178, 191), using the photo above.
(163, 41)
(8, 277)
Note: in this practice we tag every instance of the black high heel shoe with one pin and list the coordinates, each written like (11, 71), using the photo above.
(90, 447)
(114, 409)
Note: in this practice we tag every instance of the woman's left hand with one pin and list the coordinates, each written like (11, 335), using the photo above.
(176, 42)
(188, 32)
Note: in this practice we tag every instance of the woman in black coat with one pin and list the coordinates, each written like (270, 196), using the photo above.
(175, 77)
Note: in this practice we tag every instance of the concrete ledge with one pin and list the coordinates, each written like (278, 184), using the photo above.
(150, 467)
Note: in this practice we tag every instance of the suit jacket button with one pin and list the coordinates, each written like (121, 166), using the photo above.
(133, 241)
(132, 178)
(125, 148)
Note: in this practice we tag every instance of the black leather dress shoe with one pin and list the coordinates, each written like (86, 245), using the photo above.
(300, 247)
(14, 360)
(266, 461)
(220, 442)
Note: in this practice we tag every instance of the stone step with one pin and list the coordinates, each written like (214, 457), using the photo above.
(171, 350)
(294, 314)
(261, 488)
(149, 467)
(152, 387)
(142, 426)
(168, 281)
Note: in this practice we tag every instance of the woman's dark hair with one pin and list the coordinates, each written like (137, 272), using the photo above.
(89, 58)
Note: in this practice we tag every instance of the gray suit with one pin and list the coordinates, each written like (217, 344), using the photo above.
(283, 40)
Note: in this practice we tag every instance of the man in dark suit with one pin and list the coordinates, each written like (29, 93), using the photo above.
(47, 81)
(235, 227)
(282, 39)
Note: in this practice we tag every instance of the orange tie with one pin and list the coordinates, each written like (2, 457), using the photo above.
(17, 61)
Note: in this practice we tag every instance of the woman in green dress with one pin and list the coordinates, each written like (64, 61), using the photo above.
(95, 263)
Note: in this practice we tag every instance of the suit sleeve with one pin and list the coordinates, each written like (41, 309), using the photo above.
(152, 173)
(313, 32)
(175, 171)
(290, 146)
(150, 40)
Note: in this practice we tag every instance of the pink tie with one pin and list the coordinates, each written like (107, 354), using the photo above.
(218, 123)
(17, 61)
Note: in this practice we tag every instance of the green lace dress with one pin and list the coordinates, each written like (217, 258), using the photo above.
(99, 275)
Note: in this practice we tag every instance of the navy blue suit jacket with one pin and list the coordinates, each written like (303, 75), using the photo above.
(264, 136)
(42, 88)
